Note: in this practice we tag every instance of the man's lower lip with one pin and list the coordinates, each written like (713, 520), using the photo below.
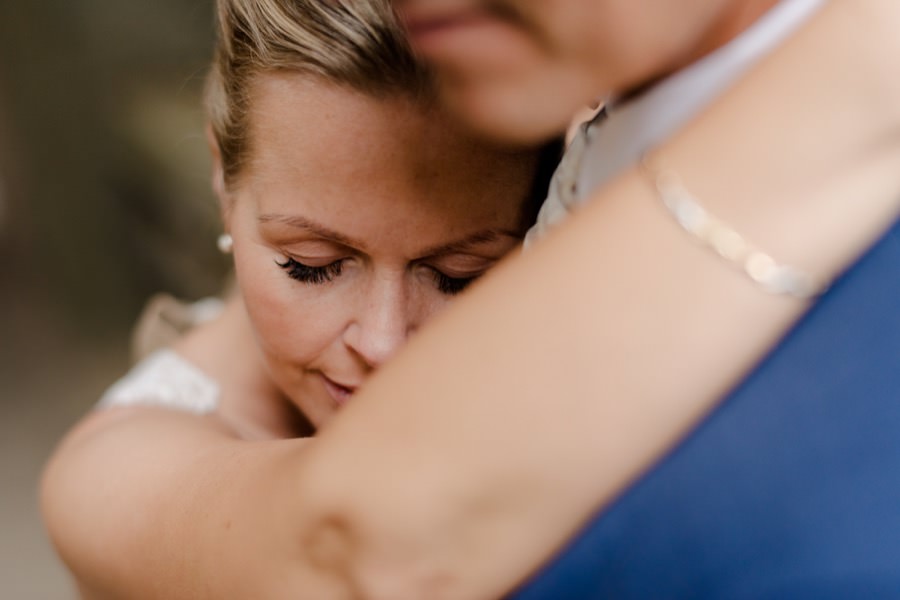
(425, 27)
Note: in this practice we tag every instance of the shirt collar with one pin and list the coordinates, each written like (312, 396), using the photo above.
(634, 126)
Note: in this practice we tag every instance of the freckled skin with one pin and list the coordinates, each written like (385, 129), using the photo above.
(396, 180)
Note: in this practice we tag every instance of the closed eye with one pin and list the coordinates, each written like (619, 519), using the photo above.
(451, 286)
(311, 275)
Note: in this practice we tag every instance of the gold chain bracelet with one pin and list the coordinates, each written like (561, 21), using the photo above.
(712, 233)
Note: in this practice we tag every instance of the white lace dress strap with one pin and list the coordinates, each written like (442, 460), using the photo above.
(166, 380)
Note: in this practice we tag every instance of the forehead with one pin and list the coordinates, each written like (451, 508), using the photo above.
(318, 148)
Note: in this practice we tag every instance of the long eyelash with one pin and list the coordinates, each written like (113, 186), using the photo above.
(451, 285)
(314, 275)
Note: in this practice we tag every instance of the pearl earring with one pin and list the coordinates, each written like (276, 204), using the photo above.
(225, 243)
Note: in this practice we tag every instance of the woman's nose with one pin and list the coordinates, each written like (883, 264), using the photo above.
(382, 324)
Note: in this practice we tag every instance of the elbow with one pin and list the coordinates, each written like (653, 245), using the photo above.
(388, 543)
(371, 566)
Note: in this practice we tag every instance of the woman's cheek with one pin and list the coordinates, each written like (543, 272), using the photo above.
(269, 313)
(294, 322)
(267, 297)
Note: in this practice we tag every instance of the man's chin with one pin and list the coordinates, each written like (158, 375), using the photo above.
(520, 112)
(506, 118)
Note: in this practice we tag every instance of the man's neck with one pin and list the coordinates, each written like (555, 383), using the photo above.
(735, 18)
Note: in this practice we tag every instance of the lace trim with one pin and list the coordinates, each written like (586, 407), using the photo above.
(164, 379)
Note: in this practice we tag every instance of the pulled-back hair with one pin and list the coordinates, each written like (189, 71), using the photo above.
(353, 43)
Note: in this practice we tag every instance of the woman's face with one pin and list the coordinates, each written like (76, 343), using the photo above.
(354, 221)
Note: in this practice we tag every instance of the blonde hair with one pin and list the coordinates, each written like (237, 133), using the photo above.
(354, 43)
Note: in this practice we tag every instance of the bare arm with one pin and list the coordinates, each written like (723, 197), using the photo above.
(463, 463)
(127, 485)
(124, 492)
(532, 413)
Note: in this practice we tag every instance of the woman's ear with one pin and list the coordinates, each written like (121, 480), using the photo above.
(218, 173)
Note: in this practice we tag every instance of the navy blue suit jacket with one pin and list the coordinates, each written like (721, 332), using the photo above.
(790, 488)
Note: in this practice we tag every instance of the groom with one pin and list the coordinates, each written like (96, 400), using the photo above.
(783, 490)
(658, 64)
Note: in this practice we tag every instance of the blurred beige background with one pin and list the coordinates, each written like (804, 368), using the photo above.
(103, 201)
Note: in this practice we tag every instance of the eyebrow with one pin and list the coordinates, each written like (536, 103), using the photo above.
(474, 239)
(312, 227)
(479, 237)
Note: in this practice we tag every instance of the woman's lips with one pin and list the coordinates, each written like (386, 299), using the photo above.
(339, 393)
